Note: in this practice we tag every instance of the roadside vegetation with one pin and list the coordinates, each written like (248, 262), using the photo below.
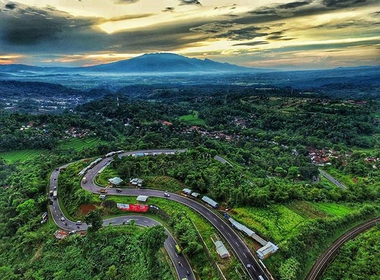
(356, 258)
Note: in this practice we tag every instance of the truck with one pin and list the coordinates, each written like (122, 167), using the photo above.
(55, 194)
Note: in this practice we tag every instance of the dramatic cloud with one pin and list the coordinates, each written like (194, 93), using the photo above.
(190, 2)
(250, 32)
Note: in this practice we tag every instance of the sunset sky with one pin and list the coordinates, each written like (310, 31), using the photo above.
(300, 34)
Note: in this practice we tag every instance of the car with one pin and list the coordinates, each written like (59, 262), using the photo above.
(78, 223)
(119, 190)
(72, 232)
(103, 191)
(62, 219)
(166, 194)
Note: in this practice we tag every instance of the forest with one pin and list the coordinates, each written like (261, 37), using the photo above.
(266, 138)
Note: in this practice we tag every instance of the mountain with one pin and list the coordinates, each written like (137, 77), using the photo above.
(147, 63)
(165, 62)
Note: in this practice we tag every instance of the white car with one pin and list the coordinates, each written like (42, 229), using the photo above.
(166, 194)
(62, 219)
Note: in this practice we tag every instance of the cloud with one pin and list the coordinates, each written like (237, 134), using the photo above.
(293, 5)
(255, 43)
(189, 2)
(343, 3)
(126, 1)
(169, 9)
(10, 6)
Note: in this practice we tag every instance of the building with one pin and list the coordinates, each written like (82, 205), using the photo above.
(142, 198)
(221, 249)
(209, 201)
(241, 227)
(187, 191)
(195, 194)
(266, 250)
(115, 181)
(60, 234)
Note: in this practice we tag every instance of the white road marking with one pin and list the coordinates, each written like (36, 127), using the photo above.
(237, 244)
(245, 255)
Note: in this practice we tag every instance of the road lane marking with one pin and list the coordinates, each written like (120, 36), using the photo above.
(245, 255)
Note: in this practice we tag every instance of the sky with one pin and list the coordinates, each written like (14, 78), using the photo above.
(300, 34)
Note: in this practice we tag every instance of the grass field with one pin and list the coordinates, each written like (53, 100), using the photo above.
(278, 223)
(79, 144)
(21, 155)
(192, 119)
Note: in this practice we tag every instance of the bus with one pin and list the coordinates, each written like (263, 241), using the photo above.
(178, 249)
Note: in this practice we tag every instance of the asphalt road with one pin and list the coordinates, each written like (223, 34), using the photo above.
(331, 179)
(180, 263)
(246, 257)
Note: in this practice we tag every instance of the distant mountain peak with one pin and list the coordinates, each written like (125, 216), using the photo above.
(166, 62)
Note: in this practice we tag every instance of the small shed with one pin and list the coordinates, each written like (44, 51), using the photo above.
(142, 198)
(115, 181)
(187, 191)
(195, 194)
(221, 249)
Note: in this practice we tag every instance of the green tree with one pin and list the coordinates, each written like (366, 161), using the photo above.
(94, 220)
(289, 269)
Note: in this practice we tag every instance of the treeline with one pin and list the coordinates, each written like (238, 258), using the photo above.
(111, 253)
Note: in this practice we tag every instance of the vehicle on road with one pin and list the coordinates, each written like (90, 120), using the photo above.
(166, 194)
(72, 232)
(178, 249)
(261, 278)
(78, 223)
(55, 194)
(62, 219)
(103, 191)
(119, 190)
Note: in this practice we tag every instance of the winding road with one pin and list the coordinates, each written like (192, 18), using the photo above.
(250, 263)
(328, 256)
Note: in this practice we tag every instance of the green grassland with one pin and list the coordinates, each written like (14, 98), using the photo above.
(21, 155)
(278, 223)
(192, 119)
(79, 144)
